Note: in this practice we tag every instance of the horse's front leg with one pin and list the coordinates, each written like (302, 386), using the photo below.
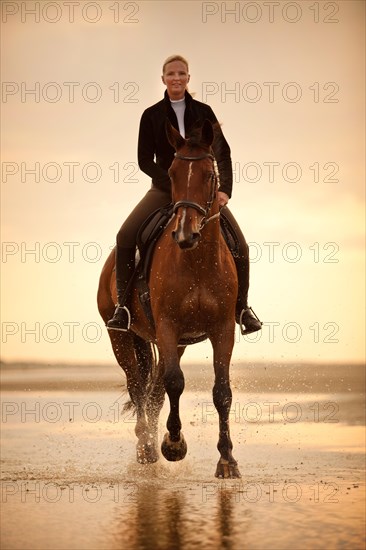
(173, 446)
(223, 343)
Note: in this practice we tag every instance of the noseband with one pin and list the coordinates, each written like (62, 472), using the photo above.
(186, 203)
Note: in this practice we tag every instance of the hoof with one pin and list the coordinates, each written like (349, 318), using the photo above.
(227, 470)
(147, 454)
(174, 450)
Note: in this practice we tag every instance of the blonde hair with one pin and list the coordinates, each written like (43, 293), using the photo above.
(175, 58)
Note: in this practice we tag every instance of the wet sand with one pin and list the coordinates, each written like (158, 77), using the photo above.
(70, 479)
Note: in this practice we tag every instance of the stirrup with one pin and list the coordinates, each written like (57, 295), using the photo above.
(122, 329)
(242, 326)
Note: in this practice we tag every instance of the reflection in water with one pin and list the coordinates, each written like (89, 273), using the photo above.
(178, 518)
(154, 519)
(145, 520)
(225, 519)
(231, 526)
(175, 504)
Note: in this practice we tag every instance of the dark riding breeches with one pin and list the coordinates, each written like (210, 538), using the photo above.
(154, 199)
(242, 261)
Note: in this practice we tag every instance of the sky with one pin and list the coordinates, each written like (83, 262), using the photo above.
(287, 82)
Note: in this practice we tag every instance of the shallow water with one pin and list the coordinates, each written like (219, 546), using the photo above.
(70, 479)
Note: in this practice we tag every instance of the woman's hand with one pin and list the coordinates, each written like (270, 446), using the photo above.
(222, 198)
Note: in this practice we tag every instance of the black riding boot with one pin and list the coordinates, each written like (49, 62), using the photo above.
(245, 316)
(125, 263)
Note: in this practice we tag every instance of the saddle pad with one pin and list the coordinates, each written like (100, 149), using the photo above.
(153, 226)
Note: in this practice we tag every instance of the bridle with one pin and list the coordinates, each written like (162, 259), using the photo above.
(186, 203)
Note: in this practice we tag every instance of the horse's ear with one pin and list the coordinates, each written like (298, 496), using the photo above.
(174, 137)
(207, 133)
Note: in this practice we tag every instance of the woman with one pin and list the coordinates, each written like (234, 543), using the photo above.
(155, 155)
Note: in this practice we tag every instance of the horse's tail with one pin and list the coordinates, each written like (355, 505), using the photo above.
(146, 362)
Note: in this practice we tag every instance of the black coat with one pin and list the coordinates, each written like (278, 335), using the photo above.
(155, 154)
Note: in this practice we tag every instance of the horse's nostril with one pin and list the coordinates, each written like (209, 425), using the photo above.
(186, 241)
(175, 236)
(189, 242)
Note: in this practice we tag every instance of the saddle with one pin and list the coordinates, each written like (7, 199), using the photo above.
(147, 237)
(149, 233)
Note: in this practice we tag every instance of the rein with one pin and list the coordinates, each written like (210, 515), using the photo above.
(195, 205)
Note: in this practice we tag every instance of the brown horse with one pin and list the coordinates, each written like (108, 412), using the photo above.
(193, 291)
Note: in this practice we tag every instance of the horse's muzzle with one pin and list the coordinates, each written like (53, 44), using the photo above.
(186, 232)
(186, 242)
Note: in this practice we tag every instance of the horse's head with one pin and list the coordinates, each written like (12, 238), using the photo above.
(193, 178)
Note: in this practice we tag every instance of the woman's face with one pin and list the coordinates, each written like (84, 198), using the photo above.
(175, 78)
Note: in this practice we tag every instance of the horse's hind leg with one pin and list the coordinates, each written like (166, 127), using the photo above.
(123, 344)
(154, 404)
(155, 392)
(227, 466)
